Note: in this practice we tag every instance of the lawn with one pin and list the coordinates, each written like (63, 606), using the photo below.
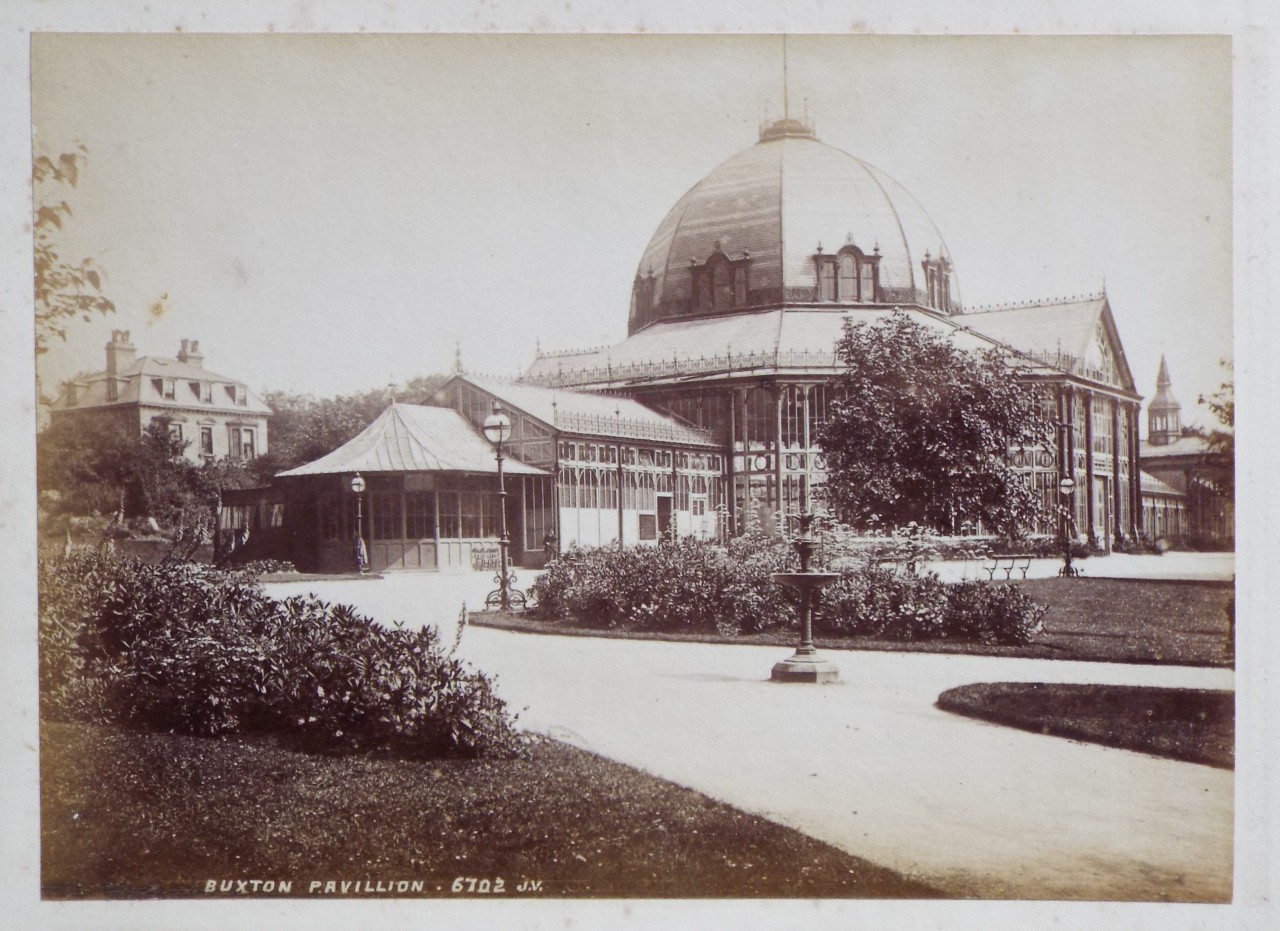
(1135, 621)
(1195, 725)
(127, 814)
(1104, 620)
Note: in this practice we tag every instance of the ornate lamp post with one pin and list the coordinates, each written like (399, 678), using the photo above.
(362, 553)
(806, 664)
(1066, 488)
(497, 430)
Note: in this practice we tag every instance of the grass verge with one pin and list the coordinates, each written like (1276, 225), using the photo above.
(1194, 725)
(127, 814)
(1099, 620)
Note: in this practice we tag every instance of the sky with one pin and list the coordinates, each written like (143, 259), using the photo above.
(328, 214)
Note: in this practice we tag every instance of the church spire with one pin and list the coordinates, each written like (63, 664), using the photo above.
(1164, 413)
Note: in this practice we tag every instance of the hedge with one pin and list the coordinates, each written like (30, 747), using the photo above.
(191, 649)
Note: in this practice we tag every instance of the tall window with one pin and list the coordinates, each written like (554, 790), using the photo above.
(206, 441)
(826, 281)
(384, 513)
(722, 284)
(450, 526)
(420, 515)
(848, 276)
(175, 431)
(241, 442)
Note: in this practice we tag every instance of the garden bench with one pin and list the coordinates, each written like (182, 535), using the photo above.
(1008, 562)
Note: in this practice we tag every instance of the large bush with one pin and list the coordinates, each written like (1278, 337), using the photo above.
(877, 602)
(694, 585)
(187, 648)
(687, 585)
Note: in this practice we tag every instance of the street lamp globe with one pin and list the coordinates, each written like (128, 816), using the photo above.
(357, 484)
(1067, 486)
(497, 426)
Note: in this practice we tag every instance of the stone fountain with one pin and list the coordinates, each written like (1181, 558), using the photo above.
(806, 664)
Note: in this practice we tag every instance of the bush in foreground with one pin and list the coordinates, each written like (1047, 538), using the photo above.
(190, 649)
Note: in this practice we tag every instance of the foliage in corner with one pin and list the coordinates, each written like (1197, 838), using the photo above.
(190, 649)
(65, 290)
(921, 431)
(1220, 470)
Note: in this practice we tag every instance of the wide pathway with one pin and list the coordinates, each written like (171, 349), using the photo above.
(1197, 567)
(869, 765)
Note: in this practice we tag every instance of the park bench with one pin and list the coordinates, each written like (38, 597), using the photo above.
(1008, 562)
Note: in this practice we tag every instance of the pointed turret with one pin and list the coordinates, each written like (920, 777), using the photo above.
(1164, 413)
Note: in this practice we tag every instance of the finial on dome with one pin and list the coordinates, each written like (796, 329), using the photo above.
(848, 238)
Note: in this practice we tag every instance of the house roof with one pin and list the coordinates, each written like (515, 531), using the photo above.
(136, 385)
(1153, 486)
(1187, 445)
(585, 412)
(1060, 332)
(413, 438)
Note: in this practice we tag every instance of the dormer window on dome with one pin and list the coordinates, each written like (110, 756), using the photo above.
(849, 275)
(721, 282)
(937, 276)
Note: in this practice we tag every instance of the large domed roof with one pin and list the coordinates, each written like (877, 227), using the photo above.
(773, 225)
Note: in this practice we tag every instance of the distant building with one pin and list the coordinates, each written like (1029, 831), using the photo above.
(1181, 460)
(217, 416)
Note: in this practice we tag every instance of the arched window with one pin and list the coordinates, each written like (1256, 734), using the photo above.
(848, 277)
(867, 276)
(722, 283)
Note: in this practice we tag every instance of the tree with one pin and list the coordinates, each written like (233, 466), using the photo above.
(1220, 466)
(96, 467)
(304, 428)
(64, 290)
(921, 431)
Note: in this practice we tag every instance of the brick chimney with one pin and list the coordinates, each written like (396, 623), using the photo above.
(121, 354)
(190, 353)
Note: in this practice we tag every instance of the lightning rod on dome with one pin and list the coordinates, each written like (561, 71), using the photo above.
(786, 113)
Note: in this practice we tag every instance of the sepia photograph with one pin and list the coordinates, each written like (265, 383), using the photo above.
(577, 468)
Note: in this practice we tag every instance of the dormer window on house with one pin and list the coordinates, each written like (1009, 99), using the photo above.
(849, 275)
(238, 394)
(166, 388)
(202, 390)
(721, 281)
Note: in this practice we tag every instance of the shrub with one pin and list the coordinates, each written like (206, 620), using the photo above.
(692, 585)
(1002, 614)
(876, 602)
(686, 584)
(188, 648)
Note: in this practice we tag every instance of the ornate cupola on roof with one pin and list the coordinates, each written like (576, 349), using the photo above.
(792, 221)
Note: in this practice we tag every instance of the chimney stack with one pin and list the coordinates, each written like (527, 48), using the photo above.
(190, 353)
(121, 354)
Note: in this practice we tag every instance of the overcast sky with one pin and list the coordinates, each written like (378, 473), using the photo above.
(330, 213)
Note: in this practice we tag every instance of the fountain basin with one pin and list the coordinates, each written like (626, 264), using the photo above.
(805, 581)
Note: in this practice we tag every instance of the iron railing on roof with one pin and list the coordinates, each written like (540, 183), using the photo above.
(605, 425)
(702, 365)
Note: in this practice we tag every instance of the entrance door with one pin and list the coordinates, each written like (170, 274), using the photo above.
(664, 516)
(1102, 512)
